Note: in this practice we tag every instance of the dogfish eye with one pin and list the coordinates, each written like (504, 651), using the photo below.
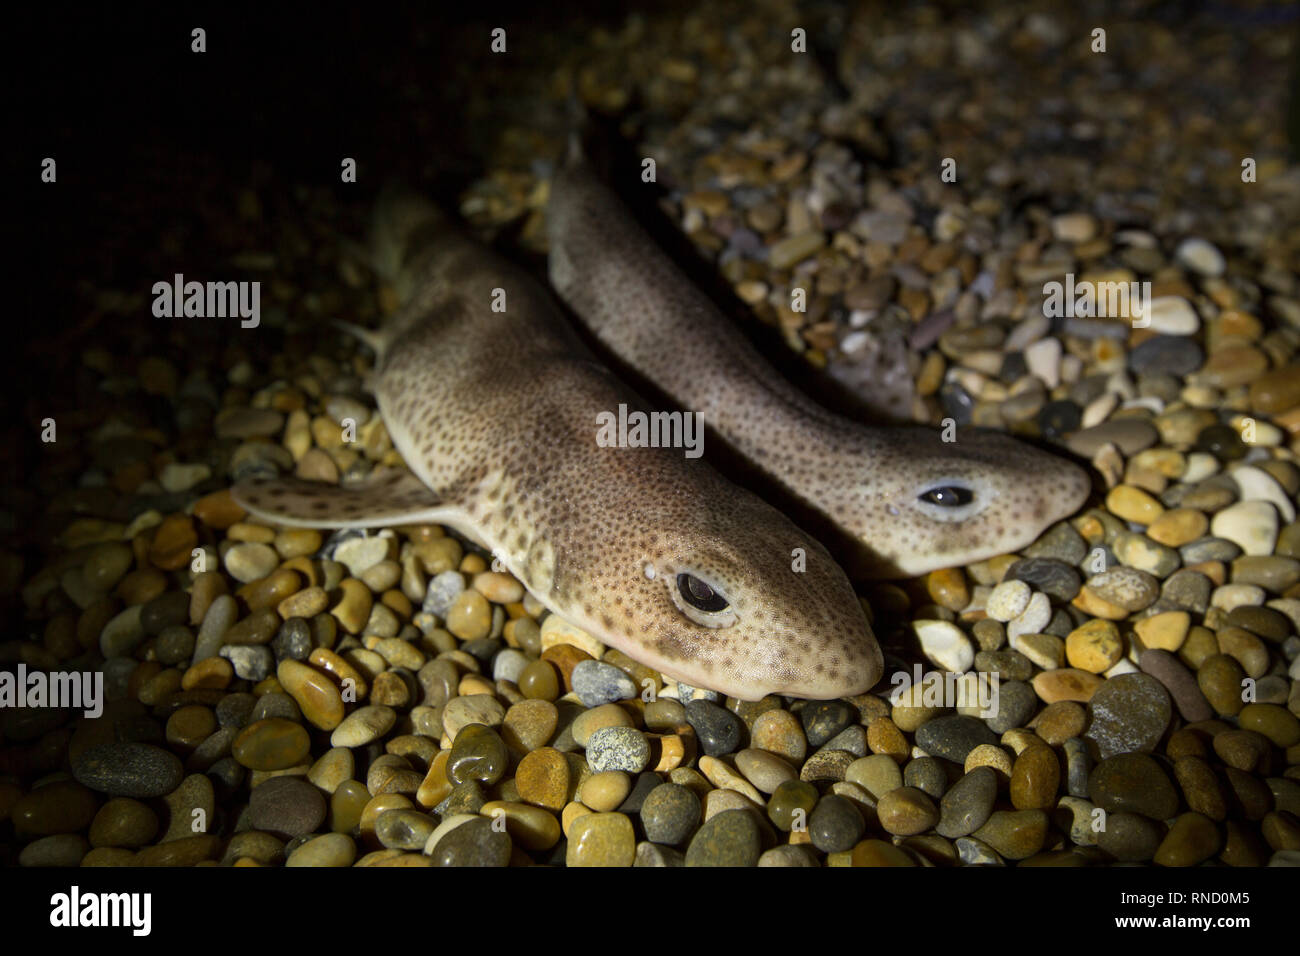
(948, 496)
(699, 595)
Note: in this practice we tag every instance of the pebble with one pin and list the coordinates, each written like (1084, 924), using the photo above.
(618, 748)
(1058, 580)
(1179, 682)
(271, 744)
(604, 792)
(404, 829)
(286, 806)
(126, 769)
(1035, 778)
(601, 839)
(250, 561)
(953, 737)
(598, 683)
(1128, 713)
(1201, 256)
(1014, 834)
(1251, 525)
(1095, 646)
(781, 733)
(877, 774)
(476, 842)
(945, 644)
(669, 814)
(718, 730)
(542, 777)
(1008, 600)
(967, 804)
(1130, 435)
(835, 824)
(1133, 782)
(906, 811)
(123, 822)
(1192, 839)
(314, 692)
(730, 838)
(1130, 837)
(363, 725)
(764, 770)
(791, 804)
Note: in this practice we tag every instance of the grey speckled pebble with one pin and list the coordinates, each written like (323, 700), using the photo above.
(670, 814)
(1179, 681)
(128, 770)
(730, 838)
(852, 739)
(286, 807)
(953, 737)
(618, 748)
(1078, 764)
(835, 824)
(509, 664)
(596, 683)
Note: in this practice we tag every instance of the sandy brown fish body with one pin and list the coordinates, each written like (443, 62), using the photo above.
(908, 500)
(495, 412)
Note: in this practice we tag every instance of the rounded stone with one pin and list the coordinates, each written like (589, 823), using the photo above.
(1035, 778)
(618, 748)
(542, 778)
(730, 838)
(791, 803)
(363, 725)
(137, 770)
(477, 753)
(1128, 713)
(601, 839)
(476, 842)
(286, 806)
(967, 804)
(123, 822)
(1192, 839)
(835, 824)
(596, 683)
(1130, 837)
(1015, 834)
(271, 744)
(907, 811)
(1133, 782)
(670, 813)
(953, 737)
(717, 729)
(63, 806)
(330, 850)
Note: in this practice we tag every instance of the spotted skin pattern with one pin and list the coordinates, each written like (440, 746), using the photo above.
(495, 412)
(865, 483)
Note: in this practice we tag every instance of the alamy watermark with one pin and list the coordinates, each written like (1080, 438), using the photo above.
(638, 429)
(1086, 300)
(76, 690)
(208, 300)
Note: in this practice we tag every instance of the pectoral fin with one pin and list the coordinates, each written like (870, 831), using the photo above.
(392, 497)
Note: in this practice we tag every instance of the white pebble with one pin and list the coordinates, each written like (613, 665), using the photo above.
(945, 644)
(1173, 315)
(1121, 666)
(1200, 465)
(1099, 409)
(1043, 359)
(1008, 600)
(1251, 525)
(1258, 485)
(1229, 596)
(1033, 618)
(1074, 227)
(250, 561)
(1201, 256)
(358, 554)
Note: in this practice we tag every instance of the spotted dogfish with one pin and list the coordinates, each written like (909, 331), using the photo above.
(653, 553)
(898, 501)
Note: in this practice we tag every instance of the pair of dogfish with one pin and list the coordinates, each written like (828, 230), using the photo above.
(651, 552)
